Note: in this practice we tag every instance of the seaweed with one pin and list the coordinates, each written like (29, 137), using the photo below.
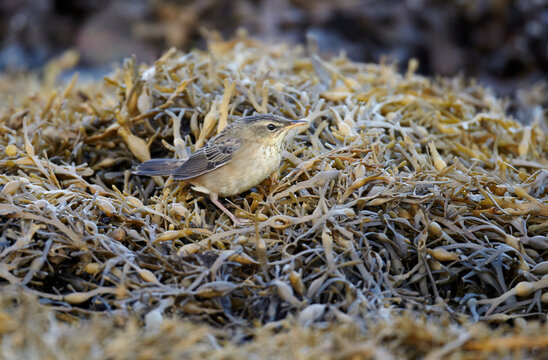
(405, 196)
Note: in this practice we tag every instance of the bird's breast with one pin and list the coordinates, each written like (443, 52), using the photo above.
(247, 168)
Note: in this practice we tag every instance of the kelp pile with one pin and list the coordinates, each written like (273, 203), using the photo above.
(404, 195)
(30, 331)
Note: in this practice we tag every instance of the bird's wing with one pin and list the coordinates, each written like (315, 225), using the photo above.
(216, 153)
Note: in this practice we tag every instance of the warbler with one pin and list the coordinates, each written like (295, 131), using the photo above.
(237, 159)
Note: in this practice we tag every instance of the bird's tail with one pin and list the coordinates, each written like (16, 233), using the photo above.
(158, 167)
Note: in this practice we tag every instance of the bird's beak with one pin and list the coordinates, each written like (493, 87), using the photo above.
(296, 123)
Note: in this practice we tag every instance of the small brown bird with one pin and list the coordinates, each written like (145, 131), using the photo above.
(238, 158)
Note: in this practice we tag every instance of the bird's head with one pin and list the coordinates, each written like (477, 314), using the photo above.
(267, 129)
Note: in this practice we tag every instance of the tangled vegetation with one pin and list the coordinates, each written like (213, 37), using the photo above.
(407, 205)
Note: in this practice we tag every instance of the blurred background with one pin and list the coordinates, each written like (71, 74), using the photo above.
(502, 43)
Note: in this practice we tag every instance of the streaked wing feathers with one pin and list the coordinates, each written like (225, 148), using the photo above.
(213, 155)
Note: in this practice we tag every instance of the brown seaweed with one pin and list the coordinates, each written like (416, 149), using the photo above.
(403, 193)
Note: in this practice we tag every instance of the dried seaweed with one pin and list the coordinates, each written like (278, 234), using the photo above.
(403, 193)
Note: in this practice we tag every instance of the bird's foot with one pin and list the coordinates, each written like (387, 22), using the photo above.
(236, 220)
(241, 222)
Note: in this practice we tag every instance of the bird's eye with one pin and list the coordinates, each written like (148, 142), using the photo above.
(271, 127)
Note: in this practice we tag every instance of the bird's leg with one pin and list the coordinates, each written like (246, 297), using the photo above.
(215, 199)
(274, 178)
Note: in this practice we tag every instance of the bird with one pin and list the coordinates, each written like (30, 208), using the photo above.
(240, 157)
